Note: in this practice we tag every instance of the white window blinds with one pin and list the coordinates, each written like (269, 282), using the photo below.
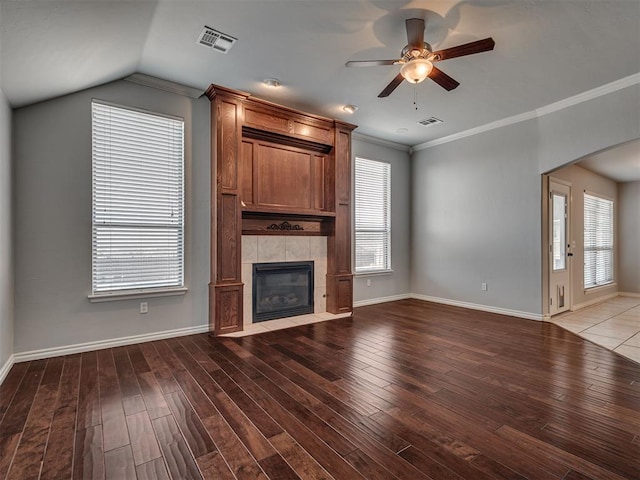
(598, 241)
(372, 215)
(137, 200)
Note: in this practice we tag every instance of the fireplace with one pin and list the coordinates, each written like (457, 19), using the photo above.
(282, 289)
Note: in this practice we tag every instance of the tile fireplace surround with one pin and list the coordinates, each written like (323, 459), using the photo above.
(280, 248)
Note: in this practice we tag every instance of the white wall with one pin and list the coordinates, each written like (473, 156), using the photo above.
(396, 283)
(52, 153)
(476, 211)
(629, 237)
(6, 241)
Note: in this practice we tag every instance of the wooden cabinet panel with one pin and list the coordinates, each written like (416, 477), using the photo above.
(267, 119)
(229, 232)
(246, 172)
(228, 308)
(284, 177)
(339, 293)
(323, 134)
(228, 146)
(277, 120)
(281, 171)
(343, 166)
(318, 182)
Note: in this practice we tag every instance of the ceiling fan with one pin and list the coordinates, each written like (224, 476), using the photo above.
(417, 59)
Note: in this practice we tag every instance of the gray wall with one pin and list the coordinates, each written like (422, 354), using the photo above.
(396, 283)
(581, 180)
(52, 153)
(629, 237)
(475, 208)
(6, 243)
(476, 201)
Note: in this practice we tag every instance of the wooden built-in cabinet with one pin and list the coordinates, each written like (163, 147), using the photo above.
(275, 171)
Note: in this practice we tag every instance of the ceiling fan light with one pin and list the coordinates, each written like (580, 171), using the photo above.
(415, 71)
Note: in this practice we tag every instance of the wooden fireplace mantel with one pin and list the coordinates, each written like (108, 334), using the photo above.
(275, 170)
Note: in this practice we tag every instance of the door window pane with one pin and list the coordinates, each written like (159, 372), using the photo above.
(559, 231)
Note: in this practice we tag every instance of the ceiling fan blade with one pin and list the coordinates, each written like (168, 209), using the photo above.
(392, 86)
(478, 46)
(415, 32)
(442, 79)
(370, 63)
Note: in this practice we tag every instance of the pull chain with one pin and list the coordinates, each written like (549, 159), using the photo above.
(415, 95)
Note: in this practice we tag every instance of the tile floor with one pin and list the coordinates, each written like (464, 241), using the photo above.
(614, 324)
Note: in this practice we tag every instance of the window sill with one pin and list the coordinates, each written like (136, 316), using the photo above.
(374, 273)
(156, 292)
(599, 288)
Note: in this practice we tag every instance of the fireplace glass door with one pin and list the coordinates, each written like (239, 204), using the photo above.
(282, 289)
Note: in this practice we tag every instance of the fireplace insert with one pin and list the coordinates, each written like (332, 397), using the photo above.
(282, 289)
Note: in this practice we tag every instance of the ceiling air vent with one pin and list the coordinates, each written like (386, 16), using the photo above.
(427, 122)
(217, 40)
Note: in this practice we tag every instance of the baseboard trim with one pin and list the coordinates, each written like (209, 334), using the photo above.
(629, 294)
(102, 344)
(588, 303)
(484, 308)
(6, 367)
(374, 301)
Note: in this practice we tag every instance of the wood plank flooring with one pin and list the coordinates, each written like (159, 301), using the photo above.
(406, 390)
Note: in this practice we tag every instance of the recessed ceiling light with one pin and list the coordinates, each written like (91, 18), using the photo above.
(272, 82)
(402, 131)
(350, 108)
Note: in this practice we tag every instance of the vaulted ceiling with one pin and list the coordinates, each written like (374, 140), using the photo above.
(545, 51)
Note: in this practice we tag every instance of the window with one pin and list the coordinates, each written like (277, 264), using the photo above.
(598, 241)
(373, 216)
(138, 200)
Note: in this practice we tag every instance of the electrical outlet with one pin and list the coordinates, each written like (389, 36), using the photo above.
(484, 286)
(368, 282)
(144, 307)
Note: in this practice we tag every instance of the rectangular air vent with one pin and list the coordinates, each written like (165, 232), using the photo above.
(429, 121)
(219, 41)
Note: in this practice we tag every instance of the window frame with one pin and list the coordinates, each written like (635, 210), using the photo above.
(140, 291)
(612, 249)
(358, 271)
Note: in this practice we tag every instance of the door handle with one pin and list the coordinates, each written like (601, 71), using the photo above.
(569, 254)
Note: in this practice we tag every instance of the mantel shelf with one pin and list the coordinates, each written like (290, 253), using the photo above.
(283, 213)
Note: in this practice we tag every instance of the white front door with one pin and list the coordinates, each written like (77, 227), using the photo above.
(559, 247)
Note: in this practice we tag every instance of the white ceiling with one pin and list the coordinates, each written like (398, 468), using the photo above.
(546, 51)
(621, 163)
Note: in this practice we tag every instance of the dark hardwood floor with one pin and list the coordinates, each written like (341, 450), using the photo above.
(408, 390)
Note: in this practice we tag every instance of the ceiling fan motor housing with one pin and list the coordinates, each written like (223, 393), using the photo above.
(409, 53)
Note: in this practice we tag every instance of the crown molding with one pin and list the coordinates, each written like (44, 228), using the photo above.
(165, 85)
(590, 94)
(537, 113)
(476, 130)
(378, 141)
